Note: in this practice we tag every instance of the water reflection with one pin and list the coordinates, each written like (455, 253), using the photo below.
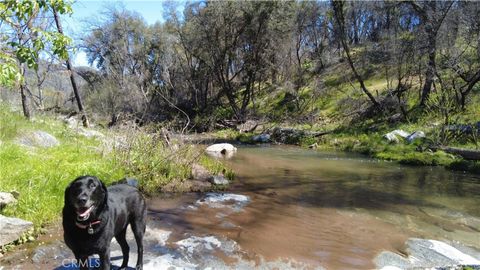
(337, 210)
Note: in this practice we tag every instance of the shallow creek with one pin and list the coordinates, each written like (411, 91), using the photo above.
(295, 208)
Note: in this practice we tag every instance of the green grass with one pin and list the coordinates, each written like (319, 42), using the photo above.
(40, 175)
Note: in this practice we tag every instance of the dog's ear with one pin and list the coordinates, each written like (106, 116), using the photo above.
(105, 192)
(67, 202)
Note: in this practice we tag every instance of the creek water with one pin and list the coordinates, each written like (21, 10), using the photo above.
(296, 208)
(333, 210)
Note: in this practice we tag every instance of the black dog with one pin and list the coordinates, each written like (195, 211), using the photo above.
(93, 214)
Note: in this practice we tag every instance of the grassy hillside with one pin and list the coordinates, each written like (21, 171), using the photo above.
(331, 100)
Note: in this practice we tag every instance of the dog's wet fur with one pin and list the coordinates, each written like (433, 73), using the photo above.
(93, 214)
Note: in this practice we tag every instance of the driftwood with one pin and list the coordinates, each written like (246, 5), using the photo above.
(464, 153)
(318, 134)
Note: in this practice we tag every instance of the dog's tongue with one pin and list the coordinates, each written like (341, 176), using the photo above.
(85, 212)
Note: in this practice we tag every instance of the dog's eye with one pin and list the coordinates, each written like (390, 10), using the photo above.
(91, 185)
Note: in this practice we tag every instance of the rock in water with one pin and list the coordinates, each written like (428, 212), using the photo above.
(218, 180)
(432, 253)
(12, 228)
(425, 253)
(221, 150)
(55, 251)
(37, 139)
(261, 138)
(235, 202)
(6, 198)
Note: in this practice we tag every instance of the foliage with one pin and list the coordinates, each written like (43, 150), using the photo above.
(466, 166)
(154, 163)
(26, 40)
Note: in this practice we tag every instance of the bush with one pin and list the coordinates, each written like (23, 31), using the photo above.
(465, 165)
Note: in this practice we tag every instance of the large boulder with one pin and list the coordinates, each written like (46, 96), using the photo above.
(221, 150)
(12, 229)
(37, 139)
(425, 253)
(6, 198)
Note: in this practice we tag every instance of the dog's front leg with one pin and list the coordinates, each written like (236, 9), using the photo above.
(105, 259)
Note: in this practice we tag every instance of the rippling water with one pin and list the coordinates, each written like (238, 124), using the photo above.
(333, 210)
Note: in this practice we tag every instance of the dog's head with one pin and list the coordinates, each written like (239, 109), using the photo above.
(85, 195)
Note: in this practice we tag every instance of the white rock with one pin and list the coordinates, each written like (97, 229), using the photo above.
(221, 147)
(221, 150)
(390, 268)
(12, 228)
(415, 135)
(224, 197)
(423, 254)
(453, 253)
(194, 242)
(37, 138)
(6, 198)
(71, 122)
(233, 203)
(168, 262)
(393, 135)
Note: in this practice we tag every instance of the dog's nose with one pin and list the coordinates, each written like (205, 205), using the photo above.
(82, 201)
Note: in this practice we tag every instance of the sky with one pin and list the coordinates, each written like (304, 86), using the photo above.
(84, 10)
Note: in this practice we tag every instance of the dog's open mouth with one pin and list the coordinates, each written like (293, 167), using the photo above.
(83, 213)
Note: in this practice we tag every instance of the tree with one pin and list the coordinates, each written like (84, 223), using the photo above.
(71, 73)
(125, 52)
(432, 15)
(26, 41)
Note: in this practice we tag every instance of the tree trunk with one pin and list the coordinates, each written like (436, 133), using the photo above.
(355, 39)
(431, 65)
(338, 14)
(468, 88)
(464, 153)
(25, 105)
(72, 78)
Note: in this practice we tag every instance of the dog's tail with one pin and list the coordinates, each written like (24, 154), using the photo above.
(129, 181)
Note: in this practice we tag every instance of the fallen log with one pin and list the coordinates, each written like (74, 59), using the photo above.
(464, 153)
(318, 134)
